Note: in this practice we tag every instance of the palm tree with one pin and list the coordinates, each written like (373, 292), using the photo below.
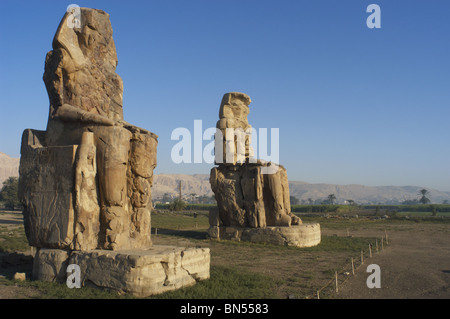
(424, 193)
(331, 199)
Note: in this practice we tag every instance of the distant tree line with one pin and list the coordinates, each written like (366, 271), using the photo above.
(192, 198)
(423, 198)
(442, 208)
(9, 194)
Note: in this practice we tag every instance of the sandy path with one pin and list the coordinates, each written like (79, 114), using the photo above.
(416, 265)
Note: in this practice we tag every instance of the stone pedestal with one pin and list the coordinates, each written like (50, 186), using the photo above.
(303, 235)
(140, 272)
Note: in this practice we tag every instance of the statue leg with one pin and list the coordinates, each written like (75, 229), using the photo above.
(113, 145)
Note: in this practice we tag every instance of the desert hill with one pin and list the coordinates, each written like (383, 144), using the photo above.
(9, 166)
(190, 184)
(198, 184)
(362, 194)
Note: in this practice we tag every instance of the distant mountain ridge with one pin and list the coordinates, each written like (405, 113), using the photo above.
(362, 194)
(190, 184)
(198, 184)
(9, 167)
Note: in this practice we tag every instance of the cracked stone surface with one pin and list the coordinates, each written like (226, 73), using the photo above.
(139, 272)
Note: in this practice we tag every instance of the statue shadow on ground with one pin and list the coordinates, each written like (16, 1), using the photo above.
(10, 222)
(12, 262)
(190, 234)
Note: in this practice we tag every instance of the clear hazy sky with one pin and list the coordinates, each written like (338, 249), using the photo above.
(353, 105)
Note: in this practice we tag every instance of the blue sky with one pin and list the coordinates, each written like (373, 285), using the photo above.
(354, 105)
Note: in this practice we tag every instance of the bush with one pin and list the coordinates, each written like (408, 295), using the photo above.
(10, 193)
(177, 205)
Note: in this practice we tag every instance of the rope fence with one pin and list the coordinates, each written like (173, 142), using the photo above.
(346, 272)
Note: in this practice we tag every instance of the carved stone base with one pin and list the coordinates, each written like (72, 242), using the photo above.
(304, 235)
(140, 272)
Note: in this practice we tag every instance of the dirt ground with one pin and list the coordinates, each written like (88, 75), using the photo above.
(10, 220)
(415, 264)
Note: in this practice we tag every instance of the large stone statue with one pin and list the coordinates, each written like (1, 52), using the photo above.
(250, 193)
(85, 182)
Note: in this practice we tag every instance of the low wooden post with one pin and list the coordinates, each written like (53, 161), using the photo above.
(370, 250)
(156, 231)
(318, 296)
(353, 267)
(376, 244)
(337, 289)
(382, 247)
(362, 257)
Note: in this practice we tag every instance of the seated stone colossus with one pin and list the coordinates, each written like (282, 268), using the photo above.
(253, 199)
(248, 193)
(85, 182)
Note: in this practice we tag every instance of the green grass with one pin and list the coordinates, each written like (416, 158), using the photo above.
(179, 220)
(422, 214)
(364, 222)
(410, 208)
(238, 269)
(50, 290)
(327, 243)
(324, 208)
(13, 239)
(382, 208)
(227, 283)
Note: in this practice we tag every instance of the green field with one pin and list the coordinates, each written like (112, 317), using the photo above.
(239, 269)
(440, 209)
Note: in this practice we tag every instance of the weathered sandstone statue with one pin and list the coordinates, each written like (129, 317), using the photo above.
(250, 193)
(85, 182)
(246, 196)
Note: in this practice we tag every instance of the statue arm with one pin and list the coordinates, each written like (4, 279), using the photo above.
(70, 113)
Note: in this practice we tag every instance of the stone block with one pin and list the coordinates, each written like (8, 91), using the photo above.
(140, 272)
(50, 265)
(303, 235)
